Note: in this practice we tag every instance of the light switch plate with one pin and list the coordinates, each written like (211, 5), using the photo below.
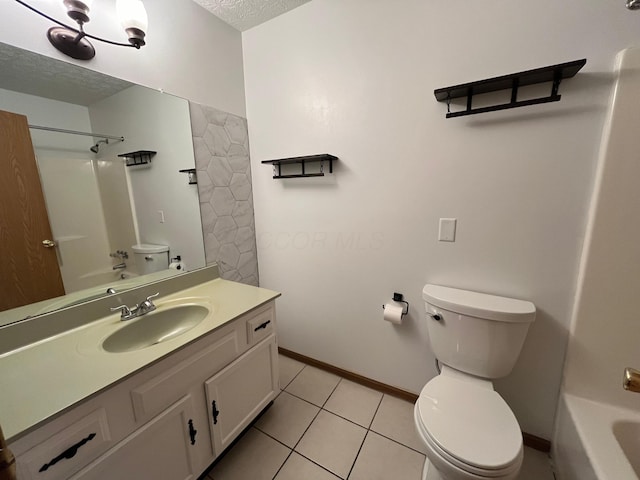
(447, 230)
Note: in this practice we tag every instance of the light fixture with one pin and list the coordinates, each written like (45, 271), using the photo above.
(74, 41)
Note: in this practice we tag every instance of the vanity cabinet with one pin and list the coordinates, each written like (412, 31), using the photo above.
(238, 393)
(169, 420)
(159, 449)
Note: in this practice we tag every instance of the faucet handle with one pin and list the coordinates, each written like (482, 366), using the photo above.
(148, 306)
(631, 380)
(152, 296)
(125, 311)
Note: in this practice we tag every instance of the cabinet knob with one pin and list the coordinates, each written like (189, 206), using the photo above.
(48, 243)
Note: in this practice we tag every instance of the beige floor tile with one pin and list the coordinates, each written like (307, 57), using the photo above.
(313, 385)
(287, 419)
(535, 466)
(354, 402)
(256, 456)
(299, 468)
(332, 442)
(383, 459)
(394, 419)
(289, 368)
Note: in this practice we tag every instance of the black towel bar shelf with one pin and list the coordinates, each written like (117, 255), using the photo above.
(552, 73)
(140, 157)
(321, 158)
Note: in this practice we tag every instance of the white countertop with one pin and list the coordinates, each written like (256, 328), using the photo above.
(49, 376)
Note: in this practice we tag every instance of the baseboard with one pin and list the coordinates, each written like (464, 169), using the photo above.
(529, 440)
(536, 443)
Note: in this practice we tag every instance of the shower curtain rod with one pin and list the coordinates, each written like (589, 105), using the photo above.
(74, 132)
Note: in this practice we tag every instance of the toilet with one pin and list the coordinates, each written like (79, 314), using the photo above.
(469, 431)
(150, 258)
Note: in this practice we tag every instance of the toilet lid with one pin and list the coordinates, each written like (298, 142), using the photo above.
(471, 423)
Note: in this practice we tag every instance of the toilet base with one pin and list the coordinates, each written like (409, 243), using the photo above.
(429, 472)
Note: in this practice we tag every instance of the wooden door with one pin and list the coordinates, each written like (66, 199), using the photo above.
(29, 271)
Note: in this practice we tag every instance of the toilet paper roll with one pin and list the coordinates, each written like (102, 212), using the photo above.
(393, 313)
(178, 266)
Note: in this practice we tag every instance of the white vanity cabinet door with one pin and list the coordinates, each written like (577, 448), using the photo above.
(239, 392)
(161, 449)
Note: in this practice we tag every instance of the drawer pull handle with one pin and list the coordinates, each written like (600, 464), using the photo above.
(68, 453)
(192, 432)
(262, 325)
(215, 412)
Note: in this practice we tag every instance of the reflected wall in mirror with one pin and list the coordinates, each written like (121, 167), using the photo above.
(221, 144)
(96, 205)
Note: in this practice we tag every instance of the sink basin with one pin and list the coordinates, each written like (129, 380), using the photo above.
(155, 327)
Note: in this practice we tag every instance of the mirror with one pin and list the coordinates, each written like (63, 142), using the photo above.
(98, 207)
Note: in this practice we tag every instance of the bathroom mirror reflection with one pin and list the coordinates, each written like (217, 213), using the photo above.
(97, 207)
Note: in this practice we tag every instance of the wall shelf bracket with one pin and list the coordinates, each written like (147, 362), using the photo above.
(552, 73)
(302, 161)
(140, 157)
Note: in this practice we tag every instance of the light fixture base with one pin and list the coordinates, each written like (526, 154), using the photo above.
(68, 43)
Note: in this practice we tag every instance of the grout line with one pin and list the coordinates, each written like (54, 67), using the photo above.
(345, 419)
(307, 429)
(358, 454)
(332, 392)
(398, 443)
(294, 377)
(376, 412)
(303, 399)
(285, 461)
(321, 466)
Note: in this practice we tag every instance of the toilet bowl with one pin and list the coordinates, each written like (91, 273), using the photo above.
(467, 428)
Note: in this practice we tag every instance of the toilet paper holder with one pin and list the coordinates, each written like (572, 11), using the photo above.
(398, 297)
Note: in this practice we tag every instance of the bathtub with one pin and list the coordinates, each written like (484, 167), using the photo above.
(105, 277)
(596, 441)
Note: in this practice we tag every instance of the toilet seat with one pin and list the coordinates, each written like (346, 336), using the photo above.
(469, 425)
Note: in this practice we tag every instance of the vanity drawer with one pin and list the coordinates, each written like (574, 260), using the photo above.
(155, 395)
(67, 451)
(260, 326)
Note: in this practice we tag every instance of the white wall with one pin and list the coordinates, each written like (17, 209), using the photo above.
(356, 79)
(189, 52)
(67, 175)
(150, 120)
(605, 330)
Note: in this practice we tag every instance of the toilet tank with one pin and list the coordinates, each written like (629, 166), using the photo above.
(474, 332)
(150, 257)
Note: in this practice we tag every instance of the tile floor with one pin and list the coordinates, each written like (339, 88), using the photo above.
(324, 427)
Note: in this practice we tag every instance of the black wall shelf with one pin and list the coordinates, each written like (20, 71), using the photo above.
(140, 157)
(552, 73)
(321, 158)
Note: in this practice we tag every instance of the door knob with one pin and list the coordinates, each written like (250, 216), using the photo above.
(48, 243)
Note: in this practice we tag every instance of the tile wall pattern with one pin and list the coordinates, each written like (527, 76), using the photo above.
(221, 147)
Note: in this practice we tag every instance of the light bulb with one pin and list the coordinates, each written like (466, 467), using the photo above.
(133, 18)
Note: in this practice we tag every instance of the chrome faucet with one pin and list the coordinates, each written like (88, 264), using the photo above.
(631, 380)
(120, 266)
(137, 310)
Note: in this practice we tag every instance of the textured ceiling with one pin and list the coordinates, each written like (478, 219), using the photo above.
(28, 72)
(245, 14)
